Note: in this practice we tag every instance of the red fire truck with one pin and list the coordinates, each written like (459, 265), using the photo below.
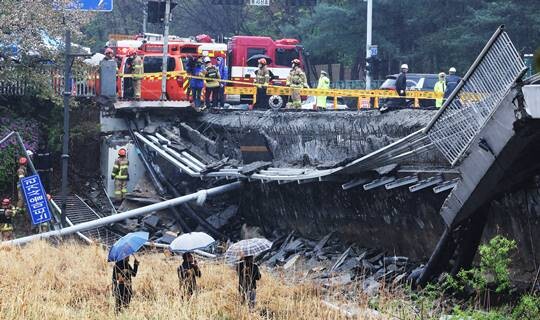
(244, 52)
(152, 55)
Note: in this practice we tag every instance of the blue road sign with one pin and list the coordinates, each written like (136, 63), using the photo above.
(36, 199)
(92, 5)
(373, 50)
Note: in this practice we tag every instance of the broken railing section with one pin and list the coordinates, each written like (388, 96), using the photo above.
(128, 214)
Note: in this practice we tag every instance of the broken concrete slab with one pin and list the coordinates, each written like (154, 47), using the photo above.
(253, 167)
(341, 259)
(220, 219)
(291, 261)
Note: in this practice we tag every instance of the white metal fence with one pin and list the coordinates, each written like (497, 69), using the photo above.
(476, 97)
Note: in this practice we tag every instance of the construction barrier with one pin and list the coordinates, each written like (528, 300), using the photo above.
(366, 98)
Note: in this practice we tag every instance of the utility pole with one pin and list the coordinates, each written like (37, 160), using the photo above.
(65, 143)
(145, 16)
(165, 50)
(368, 40)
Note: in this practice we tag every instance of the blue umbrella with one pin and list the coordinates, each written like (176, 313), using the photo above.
(127, 245)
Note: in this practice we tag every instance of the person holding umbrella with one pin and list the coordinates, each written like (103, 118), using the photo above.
(248, 275)
(122, 271)
(188, 271)
(121, 278)
(248, 272)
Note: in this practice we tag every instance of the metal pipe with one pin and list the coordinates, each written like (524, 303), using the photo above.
(149, 169)
(368, 39)
(65, 142)
(155, 178)
(166, 155)
(126, 215)
(164, 64)
(4, 139)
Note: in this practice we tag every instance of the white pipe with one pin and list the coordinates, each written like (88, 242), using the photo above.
(368, 39)
(166, 155)
(125, 215)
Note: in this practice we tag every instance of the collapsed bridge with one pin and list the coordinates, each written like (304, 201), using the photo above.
(465, 155)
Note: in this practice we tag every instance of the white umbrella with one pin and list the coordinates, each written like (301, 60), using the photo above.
(248, 247)
(191, 241)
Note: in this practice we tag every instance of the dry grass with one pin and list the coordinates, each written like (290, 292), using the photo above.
(72, 281)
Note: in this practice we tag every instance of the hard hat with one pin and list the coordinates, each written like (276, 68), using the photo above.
(29, 153)
(109, 51)
(23, 161)
(296, 62)
(207, 59)
(262, 61)
(122, 152)
(6, 202)
(405, 66)
(442, 75)
(452, 70)
(324, 72)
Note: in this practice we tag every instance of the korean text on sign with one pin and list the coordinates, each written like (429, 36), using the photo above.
(36, 199)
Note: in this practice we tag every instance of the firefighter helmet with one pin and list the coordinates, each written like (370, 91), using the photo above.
(122, 152)
(262, 61)
(131, 52)
(452, 70)
(405, 66)
(6, 202)
(207, 59)
(296, 62)
(23, 160)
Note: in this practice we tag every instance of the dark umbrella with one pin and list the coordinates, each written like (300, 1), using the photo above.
(255, 58)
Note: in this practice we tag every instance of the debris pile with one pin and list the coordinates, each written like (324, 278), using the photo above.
(331, 264)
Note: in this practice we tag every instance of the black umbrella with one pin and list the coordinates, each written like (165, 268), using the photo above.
(255, 58)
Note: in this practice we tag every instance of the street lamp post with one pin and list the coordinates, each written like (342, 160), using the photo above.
(165, 50)
(368, 40)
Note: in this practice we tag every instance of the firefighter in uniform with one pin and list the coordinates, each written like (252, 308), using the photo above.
(7, 212)
(296, 80)
(21, 173)
(120, 175)
(137, 76)
(262, 78)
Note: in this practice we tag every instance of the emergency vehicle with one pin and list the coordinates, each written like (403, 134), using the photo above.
(152, 54)
(244, 52)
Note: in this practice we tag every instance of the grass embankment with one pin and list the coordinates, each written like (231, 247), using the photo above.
(72, 281)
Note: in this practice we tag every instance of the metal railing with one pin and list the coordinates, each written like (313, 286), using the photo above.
(488, 80)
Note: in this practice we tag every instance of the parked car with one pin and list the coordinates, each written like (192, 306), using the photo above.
(311, 101)
(415, 81)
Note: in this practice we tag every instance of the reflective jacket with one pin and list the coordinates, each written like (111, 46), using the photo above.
(120, 169)
(297, 77)
(6, 218)
(440, 87)
(262, 75)
(212, 72)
